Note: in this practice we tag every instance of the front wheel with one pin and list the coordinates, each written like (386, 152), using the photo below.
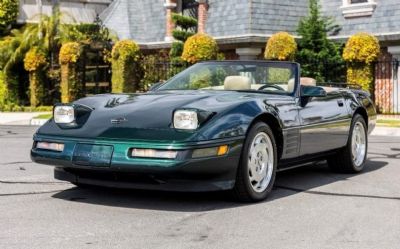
(351, 159)
(257, 168)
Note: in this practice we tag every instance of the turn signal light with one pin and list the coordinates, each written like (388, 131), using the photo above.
(209, 152)
(50, 146)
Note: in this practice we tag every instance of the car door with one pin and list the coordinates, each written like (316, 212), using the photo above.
(325, 123)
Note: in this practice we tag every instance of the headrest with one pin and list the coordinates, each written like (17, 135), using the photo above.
(306, 81)
(237, 83)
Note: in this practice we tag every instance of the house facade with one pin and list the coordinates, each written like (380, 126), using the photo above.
(242, 27)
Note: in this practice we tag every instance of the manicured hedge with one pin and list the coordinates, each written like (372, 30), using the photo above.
(200, 47)
(124, 57)
(71, 82)
(360, 52)
(34, 62)
(281, 46)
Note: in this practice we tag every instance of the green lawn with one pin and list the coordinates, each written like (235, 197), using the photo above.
(44, 116)
(388, 122)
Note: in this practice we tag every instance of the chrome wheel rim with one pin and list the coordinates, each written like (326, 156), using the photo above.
(358, 144)
(260, 162)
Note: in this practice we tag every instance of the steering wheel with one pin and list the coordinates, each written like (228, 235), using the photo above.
(271, 86)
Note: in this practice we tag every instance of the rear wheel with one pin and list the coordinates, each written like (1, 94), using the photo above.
(257, 169)
(351, 159)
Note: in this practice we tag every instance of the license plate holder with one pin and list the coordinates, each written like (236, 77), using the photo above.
(92, 155)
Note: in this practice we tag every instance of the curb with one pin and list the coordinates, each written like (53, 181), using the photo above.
(385, 131)
(38, 121)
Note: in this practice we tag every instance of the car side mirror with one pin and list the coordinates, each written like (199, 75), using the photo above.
(312, 91)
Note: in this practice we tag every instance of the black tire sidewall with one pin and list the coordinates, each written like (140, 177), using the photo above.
(256, 128)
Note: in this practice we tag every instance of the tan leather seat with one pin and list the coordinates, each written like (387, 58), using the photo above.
(307, 81)
(237, 83)
(304, 81)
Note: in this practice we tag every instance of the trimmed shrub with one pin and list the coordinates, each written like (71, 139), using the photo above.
(70, 52)
(281, 46)
(361, 74)
(182, 31)
(181, 35)
(184, 22)
(361, 47)
(3, 89)
(200, 47)
(34, 62)
(71, 83)
(124, 57)
(8, 13)
(176, 49)
(360, 52)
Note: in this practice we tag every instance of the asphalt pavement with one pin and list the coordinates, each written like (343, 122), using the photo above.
(310, 207)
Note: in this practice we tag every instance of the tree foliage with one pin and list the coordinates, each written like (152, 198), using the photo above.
(316, 52)
(8, 14)
(47, 35)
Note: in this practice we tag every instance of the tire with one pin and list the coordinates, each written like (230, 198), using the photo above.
(347, 160)
(257, 170)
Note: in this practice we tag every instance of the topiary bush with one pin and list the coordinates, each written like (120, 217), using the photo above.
(8, 13)
(362, 47)
(360, 52)
(71, 83)
(281, 46)
(34, 62)
(124, 60)
(199, 47)
(3, 90)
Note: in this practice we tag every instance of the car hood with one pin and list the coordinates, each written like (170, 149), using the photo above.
(145, 116)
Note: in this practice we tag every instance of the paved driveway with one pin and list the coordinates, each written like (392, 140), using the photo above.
(309, 208)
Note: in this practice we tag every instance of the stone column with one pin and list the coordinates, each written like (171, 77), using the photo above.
(248, 53)
(169, 6)
(202, 15)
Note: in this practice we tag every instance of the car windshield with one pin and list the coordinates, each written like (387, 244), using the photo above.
(277, 77)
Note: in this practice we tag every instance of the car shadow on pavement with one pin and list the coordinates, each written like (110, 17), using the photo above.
(288, 183)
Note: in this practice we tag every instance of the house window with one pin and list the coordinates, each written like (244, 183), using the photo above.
(358, 1)
(358, 8)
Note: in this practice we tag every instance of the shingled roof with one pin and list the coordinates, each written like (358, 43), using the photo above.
(143, 21)
(247, 21)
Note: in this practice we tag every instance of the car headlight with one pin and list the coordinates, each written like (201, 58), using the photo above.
(64, 114)
(185, 120)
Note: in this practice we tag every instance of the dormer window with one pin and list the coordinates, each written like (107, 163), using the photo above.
(358, 8)
(358, 1)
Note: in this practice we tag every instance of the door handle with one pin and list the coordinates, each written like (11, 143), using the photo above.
(340, 102)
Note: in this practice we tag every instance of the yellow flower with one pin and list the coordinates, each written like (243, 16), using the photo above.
(281, 46)
(199, 47)
(34, 59)
(361, 47)
(70, 52)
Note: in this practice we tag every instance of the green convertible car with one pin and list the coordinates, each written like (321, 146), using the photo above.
(218, 125)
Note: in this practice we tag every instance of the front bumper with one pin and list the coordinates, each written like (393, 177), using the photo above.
(180, 174)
